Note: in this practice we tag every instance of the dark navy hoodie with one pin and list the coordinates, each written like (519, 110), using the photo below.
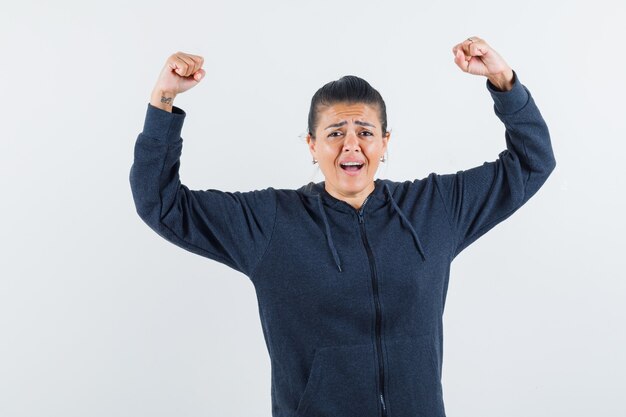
(350, 301)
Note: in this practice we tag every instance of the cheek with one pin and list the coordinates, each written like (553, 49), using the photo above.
(329, 151)
(373, 152)
(325, 157)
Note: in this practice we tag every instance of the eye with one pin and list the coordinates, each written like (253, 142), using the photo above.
(366, 132)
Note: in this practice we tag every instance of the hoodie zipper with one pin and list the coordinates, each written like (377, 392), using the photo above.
(370, 256)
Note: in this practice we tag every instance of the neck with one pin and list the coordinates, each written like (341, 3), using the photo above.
(355, 200)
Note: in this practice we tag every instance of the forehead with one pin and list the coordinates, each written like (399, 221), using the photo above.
(349, 111)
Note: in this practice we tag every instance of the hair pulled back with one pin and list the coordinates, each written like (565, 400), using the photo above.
(348, 89)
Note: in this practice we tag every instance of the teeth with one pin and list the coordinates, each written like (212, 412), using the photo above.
(352, 163)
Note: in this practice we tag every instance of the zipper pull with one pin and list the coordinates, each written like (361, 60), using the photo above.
(360, 211)
(382, 401)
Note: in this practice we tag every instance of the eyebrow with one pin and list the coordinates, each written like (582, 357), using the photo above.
(356, 122)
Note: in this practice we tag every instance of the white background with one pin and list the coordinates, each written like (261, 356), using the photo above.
(99, 316)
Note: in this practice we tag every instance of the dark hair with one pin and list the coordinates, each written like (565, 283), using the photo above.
(348, 89)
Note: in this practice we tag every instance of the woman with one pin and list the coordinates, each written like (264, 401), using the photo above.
(351, 273)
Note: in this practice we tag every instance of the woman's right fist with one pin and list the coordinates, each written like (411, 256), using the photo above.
(181, 72)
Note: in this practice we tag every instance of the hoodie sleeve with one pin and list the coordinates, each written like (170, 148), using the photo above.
(479, 198)
(233, 228)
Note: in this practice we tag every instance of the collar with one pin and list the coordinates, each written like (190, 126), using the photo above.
(382, 195)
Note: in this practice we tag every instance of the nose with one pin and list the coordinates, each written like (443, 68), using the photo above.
(351, 143)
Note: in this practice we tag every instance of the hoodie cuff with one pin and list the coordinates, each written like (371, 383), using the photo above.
(508, 102)
(163, 125)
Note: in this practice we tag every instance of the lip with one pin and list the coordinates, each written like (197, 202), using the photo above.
(352, 173)
(351, 160)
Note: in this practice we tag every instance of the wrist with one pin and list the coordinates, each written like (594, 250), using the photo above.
(164, 100)
(502, 81)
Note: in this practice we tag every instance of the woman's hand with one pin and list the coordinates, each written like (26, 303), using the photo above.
(475, 56)
(181, 72)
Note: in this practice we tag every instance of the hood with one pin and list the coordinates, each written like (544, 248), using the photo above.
(382, 195)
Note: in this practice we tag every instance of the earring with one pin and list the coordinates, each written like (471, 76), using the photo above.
(382, 158)
(314, 161)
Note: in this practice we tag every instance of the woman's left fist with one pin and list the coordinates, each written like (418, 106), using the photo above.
(475, 56)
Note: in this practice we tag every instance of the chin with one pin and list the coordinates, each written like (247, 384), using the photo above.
(354, 185)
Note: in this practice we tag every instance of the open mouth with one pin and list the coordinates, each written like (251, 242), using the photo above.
(352, 166)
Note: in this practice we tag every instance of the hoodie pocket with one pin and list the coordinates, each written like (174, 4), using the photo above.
(342, 382)
(414, 378)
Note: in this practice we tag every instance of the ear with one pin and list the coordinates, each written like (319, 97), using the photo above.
(386, 139)
(311, 142)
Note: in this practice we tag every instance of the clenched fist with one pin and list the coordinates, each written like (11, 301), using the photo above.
(475, 56)
(181, 72)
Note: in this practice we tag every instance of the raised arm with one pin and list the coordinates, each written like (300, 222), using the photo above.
(479, 198)
(233, 228)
